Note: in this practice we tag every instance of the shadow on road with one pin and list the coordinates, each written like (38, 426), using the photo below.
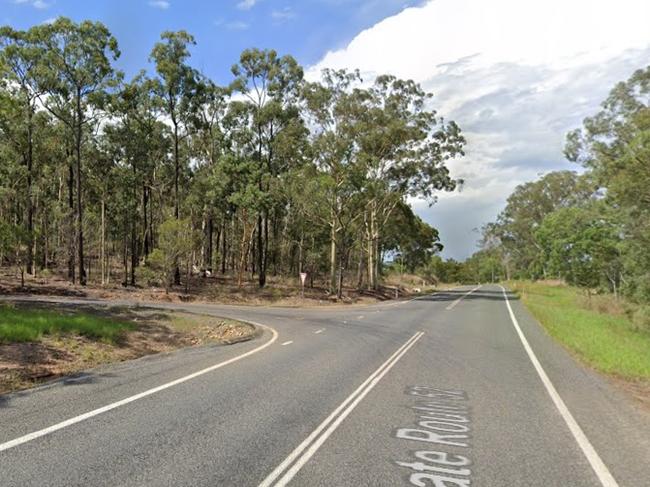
(479, 294)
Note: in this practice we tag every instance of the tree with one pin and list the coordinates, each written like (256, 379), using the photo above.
(271, 86)
(176, 86)
(21, 56)
(75, 73)
(137, 142)
(279, 176)
(404, 146)
(335, 172)
(614, 145)
(525, 210)
(208, 147)
(581, 245)
(412, 240)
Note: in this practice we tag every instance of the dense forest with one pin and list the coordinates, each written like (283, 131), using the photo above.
(147, 180)
(590, 229)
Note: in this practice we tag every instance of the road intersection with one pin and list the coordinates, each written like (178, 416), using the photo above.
(458, 388)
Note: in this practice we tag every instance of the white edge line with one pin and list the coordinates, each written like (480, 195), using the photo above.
(95, 412)
(599, 467)
(453, 305)
(359, 394)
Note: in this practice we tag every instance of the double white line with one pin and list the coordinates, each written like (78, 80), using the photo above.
(291, 465)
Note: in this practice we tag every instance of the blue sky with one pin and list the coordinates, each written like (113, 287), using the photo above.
(223, 28)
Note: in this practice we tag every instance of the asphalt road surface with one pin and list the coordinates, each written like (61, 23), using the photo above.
(461, 388)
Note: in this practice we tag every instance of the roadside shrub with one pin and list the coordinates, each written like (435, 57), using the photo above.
(149, 274)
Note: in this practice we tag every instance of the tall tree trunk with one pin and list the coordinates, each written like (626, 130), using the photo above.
(46, 240)
(333, 256)
(300, 251)
(177, 271)
(217, 244)
(210, 233)
(80, 231)
(134, 252)
(339, 284)
(31, 251)
(360, 265)
(261, 258)
(71, 219)
(377, 259)
(145, 221)
(103, 242)
(223, 248)
(125, 260)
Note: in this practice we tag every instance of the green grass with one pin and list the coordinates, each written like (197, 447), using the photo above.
(20, 325)
(608, 341)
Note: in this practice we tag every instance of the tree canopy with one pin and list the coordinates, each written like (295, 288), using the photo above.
(112, 178)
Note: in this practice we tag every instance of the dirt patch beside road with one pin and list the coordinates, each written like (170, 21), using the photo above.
(26, 364)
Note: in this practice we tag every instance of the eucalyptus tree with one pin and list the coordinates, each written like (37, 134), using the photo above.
(20, 58)
(525, 210)
(404, 148)
(614, 145)
(271, 87)
(330, 106)
(208, 147)
(581, 244)
(176, 87)
(75, 75)
(411, 240)
(136, 139)
(236, 184)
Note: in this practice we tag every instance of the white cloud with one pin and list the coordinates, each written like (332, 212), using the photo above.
(246, 4)
(39, 4)
(232, 25)
(161, 4)
(282, 15)
(515, 75)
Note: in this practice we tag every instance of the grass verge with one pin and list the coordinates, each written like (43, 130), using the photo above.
(24, 325)
(601, 335)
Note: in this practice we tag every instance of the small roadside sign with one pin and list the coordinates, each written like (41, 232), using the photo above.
(303, 276)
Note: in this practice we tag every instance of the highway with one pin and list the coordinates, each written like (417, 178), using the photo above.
(459, 388)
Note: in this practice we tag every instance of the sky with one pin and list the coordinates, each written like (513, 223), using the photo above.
(516, 75)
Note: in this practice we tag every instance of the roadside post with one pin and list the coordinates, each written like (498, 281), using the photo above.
(303, 276)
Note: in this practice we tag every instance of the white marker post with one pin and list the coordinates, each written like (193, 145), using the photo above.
(303, 276)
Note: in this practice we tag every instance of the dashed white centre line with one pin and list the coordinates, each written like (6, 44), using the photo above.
(287, 343)
(318, 331)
